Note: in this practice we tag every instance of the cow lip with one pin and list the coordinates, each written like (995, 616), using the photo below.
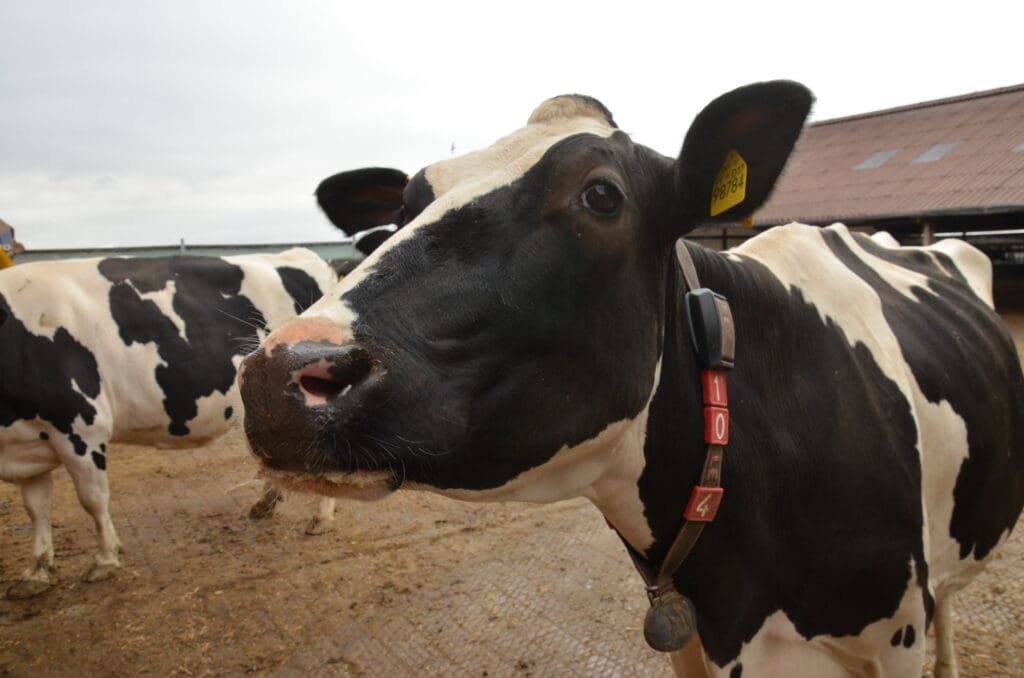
(360, 485)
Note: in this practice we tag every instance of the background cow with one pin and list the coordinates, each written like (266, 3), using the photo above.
(523, 337)
(132, 350)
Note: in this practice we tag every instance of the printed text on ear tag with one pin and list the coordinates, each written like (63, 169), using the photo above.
(730, 187)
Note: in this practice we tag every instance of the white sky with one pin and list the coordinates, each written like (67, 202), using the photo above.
(141, 122)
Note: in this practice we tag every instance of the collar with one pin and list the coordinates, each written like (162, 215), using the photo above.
(671, 619)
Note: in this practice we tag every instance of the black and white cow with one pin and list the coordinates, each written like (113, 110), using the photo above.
(522, 337)
(129, 350)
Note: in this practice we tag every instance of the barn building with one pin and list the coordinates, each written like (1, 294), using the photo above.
(929, 170)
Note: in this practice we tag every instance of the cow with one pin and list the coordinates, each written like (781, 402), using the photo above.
(529, 334)
(138, 350)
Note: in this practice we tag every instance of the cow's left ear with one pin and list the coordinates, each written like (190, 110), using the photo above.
(736, 149)
(362, 199)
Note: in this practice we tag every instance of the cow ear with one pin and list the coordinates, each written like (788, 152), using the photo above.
(736, 149)
(362, 199)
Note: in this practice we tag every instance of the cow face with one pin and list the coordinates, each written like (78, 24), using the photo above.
(510, 331)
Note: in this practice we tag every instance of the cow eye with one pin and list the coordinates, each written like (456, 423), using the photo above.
(602, 197)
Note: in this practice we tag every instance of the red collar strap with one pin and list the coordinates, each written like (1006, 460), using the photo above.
(671, 620)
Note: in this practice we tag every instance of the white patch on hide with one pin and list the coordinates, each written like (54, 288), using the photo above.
(778, 649)
(885, 239)
(973, 264)
(164, 300)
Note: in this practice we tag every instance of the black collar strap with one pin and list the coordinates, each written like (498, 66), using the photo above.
(671, 620)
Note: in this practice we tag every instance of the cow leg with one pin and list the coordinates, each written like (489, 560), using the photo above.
(323, 521)
(94, 494)
(689, 661)
(945, 652)
(37, 493)
(264, 508)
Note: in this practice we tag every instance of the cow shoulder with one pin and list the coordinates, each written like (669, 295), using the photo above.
(972, 263)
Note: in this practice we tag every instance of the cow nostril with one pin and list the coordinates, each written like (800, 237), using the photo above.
(326, 389)
(336, 372)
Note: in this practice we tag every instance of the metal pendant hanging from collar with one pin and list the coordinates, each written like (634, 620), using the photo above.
(671, 619)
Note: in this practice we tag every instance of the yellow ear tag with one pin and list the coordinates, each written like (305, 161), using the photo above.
(730, 187)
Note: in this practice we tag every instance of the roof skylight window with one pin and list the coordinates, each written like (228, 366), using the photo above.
(877, 160)
(936, 152)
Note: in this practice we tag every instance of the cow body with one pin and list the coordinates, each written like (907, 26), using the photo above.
(522, 337)
(128, 350)
(867, 478)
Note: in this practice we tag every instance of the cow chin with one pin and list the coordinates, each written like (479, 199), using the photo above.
(358, 485)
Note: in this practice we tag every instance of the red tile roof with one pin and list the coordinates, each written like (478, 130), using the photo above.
(982, 172)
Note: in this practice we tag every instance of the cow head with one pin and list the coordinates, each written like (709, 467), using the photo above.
(505, 342)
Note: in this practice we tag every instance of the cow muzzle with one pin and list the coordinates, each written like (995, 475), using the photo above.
(300, 397)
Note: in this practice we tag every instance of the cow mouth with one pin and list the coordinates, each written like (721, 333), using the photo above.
(359, 485)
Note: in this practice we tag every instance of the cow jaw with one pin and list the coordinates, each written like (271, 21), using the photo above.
(604, 469)
(358, 485)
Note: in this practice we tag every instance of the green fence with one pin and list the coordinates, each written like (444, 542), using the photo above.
(327, 250)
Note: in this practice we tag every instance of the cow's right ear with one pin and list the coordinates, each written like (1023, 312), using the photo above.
(361, 199)
(736, 149)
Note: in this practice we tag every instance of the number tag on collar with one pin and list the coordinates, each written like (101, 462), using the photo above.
(703, 504)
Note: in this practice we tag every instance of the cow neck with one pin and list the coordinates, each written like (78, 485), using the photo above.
(671, 620)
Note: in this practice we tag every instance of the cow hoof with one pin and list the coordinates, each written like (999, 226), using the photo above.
(28, 588)
(100, 572)
(319, 526)
(262, 509)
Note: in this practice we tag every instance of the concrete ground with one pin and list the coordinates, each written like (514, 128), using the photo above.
(413, 585)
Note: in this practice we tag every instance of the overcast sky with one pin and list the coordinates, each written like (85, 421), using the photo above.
(141, 122)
